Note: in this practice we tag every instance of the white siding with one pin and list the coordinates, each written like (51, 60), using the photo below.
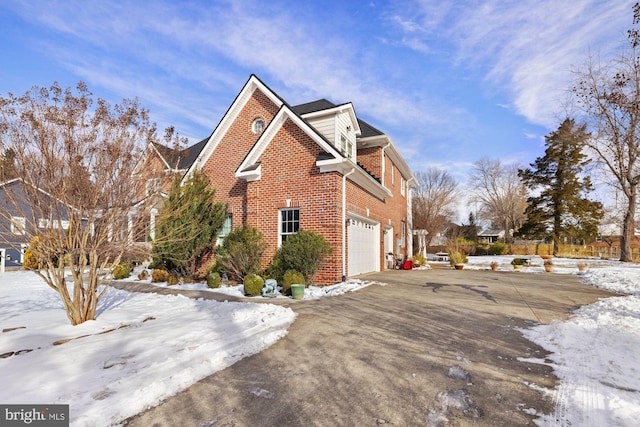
(326, 126)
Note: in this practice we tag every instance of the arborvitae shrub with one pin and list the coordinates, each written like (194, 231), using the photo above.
(291, 277)
(241, 252)
(214, 279)
(253, 285)
(159, 275)
(122, 271)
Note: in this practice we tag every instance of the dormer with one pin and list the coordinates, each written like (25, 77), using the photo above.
(337, 123)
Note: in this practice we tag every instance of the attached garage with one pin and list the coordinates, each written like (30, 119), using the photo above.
(363, 246)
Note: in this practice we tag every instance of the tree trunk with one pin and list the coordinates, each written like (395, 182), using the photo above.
(628, 226)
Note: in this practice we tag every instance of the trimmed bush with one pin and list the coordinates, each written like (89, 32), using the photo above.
(159, 275)
(304, 251)
(240, 252)
(291, 277)
(498, 248)
(214, 279)
(172, 279)
(122, 271)
(253, 285)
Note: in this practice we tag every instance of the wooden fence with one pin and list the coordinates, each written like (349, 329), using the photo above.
(565, 251)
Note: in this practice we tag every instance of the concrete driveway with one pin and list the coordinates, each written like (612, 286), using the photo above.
(431, 347)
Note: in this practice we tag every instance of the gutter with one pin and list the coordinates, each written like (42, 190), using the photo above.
(344, 223)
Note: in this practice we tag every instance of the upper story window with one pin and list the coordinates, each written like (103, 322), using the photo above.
(152, 185)
(346, 146)
(289, 223)
(257, 126)
(402, 185)
(18, 225)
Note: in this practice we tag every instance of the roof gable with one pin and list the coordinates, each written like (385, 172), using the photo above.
(208, 147)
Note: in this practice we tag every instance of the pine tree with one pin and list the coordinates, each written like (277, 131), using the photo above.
(562, 209)
(187, 225)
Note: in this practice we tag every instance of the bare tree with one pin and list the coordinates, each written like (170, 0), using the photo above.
(433, 200)
(72, 192)
(609, 95)
(500, 193)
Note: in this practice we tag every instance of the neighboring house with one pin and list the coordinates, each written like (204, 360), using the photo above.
(317, 167)
(17, 221)
(155, 172)
(490, 236)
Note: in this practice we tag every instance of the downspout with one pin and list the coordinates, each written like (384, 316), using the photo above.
(344, 223)
(383, 162)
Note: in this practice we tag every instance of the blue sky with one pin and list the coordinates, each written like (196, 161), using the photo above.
(449, 81)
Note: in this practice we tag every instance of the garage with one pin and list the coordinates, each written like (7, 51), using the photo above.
(363, 246)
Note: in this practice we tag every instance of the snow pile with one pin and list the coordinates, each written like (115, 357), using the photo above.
(594, 354)
(141, 349)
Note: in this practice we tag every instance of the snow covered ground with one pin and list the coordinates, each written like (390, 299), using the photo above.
(146, 347)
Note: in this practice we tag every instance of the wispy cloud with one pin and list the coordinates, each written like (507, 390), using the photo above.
(526, 49)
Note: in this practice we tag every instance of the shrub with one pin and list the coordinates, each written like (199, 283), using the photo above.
(419, 259)
(144, 275)
(172, 279)
(457, 258)
(519, 261)
(241, 251)
(304, 251)
(498, 248)
(159, 275)
(30, 261)
(122, 271)
(214, 279)
(291, 277)
(253, 285)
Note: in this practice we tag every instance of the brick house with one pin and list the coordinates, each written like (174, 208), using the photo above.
(316, 167)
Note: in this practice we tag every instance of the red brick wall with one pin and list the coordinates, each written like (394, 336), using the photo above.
(371, 159)
(289, 173)
(232, 149)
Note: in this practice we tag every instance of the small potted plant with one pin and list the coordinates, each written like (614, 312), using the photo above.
(494, 266)
(548, 265)
(518, 263)
(457, 260)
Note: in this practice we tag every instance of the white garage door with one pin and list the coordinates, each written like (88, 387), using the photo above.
(364, 247)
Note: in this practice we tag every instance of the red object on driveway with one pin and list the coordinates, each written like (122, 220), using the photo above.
(408, 265)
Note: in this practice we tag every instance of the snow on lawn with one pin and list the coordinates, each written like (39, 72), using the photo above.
(594, 354)
(141, 349)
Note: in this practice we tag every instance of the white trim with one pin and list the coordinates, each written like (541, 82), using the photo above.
(245, 169)
(333, 111)
(229, 118)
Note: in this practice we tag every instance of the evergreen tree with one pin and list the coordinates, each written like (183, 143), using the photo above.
(187, 225)
(562, 209)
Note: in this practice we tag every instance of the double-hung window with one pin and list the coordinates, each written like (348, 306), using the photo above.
(18, 225)
(224, 230)
(289, 222)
